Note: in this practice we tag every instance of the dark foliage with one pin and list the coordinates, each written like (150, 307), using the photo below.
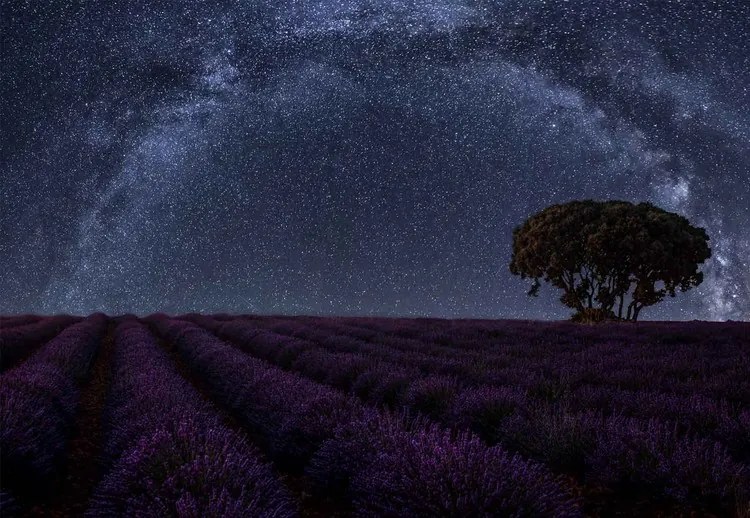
(611, 259)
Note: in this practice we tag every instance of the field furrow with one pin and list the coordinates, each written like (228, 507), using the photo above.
(83, 466)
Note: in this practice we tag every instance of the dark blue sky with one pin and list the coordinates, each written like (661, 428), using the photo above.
(356, 157)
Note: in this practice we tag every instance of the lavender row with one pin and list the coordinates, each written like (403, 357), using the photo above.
(17, 320)
(484, 333)
(380, 463)
(312, 359)
(18, 341)
(168, 452)
(651, 453)
(656, 345)
(716, 369)
(393, 363)
(355, 371)
(583, 389)
(38, 401)
(348, 367)
(655, 342)
(692, 410)
(432, 387)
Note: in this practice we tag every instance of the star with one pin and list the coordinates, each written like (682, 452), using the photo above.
(356, 158)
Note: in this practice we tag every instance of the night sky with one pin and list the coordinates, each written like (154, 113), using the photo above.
(357, 157)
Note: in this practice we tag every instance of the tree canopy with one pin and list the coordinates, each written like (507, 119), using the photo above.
(611, 258)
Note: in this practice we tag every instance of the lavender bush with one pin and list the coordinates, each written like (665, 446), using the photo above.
(38, 402)
(20, 337)
(168, 450)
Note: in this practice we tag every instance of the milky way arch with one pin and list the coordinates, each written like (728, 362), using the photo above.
(358, 157)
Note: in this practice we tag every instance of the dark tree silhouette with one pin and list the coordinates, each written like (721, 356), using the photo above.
(612, 258)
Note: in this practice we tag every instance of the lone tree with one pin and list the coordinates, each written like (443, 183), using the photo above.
(611, 259)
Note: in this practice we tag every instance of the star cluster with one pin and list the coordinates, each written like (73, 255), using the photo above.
(356, 157)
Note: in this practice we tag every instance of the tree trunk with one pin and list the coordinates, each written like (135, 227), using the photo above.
(569, 282)
(622, 301)
(631, 307)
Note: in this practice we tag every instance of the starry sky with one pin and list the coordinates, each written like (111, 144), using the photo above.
(357, 156)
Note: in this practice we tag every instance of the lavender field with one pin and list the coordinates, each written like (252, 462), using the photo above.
(308, 416)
